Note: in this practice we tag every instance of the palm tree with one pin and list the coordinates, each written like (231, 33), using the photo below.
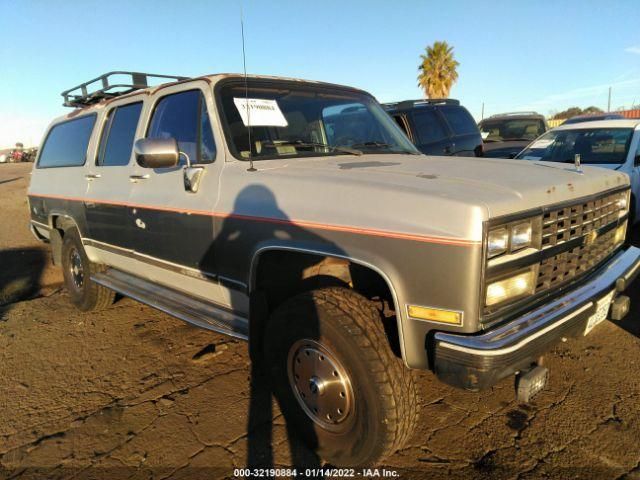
(437, 70)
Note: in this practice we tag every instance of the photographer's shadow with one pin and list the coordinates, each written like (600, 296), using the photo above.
(238, 236)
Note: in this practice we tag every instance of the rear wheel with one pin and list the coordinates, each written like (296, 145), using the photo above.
(77, 269)
(336, 378)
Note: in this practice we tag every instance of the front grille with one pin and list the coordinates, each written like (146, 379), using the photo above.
(574, 221)
(561, 268)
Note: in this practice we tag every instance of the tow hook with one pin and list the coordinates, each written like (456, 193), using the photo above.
(620, 307)
(530, 382)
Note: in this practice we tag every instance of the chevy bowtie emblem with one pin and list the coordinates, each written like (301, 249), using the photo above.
(576, 161)
(590, 237)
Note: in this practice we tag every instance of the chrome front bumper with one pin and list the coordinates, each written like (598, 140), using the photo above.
(479, 361)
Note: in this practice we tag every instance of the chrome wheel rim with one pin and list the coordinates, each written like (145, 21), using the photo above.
(320, 384)
(75, 268)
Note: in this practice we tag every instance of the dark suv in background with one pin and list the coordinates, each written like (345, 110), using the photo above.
(438, 126)
(506, 134)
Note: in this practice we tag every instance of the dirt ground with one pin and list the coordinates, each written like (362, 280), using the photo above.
(133, 393)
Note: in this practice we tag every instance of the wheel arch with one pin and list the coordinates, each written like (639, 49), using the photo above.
(260, 253)
(60, 222)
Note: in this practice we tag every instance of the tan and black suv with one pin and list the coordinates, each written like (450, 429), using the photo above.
(263, 208)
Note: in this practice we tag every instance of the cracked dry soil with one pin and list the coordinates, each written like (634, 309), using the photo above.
(132, 393)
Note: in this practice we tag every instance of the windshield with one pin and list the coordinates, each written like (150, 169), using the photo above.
(289, 120)
(511, 129)
(595, 145)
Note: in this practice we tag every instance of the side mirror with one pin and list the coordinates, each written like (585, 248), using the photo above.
(157, 152)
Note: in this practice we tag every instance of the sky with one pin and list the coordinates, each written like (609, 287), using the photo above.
(544, 55)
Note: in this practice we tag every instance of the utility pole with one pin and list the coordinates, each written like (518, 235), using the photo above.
(482, 114)
(609, 102)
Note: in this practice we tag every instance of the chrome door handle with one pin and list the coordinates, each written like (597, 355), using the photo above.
(91, 176)
(135, 178)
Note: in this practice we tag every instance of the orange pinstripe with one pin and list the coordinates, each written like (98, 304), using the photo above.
(299, 223)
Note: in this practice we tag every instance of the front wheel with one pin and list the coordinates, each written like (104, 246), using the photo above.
(336, 378)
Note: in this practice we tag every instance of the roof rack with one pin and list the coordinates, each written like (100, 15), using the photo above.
(81, 95)
(506, 114)
(422, 101)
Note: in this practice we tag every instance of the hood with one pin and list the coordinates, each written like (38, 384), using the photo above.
(449, 196)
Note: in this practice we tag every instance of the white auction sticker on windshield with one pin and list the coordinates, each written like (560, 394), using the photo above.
(259, 112)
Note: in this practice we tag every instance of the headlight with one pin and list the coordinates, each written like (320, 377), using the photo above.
(623, 203)
(521, 235)
(509, 288)
(514, 236)
(498, 241)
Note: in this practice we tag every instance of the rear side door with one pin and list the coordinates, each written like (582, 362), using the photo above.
(466, 141)
(431, 134)
(108, 179)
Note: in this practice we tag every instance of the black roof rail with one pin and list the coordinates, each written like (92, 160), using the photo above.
(423, 101)
(81, 96)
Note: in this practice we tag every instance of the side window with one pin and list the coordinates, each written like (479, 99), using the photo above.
(67, 143)
(637, 159)
(428, 126)
(184, 116)
(118, 135)
(460, 120)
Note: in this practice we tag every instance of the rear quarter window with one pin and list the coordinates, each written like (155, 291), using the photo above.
(460, 121)
(66, 144)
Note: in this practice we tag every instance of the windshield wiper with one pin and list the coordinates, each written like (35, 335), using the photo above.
(376, 144)
(303, 144)
(372, 145)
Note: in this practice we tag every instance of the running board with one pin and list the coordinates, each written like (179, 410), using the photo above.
(189, 309)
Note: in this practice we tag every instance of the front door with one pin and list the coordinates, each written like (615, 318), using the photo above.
(173, 226)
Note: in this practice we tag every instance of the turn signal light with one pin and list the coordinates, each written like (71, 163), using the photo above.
(435, 314)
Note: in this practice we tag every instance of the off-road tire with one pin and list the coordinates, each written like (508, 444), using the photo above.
(89, 295)
(384, 393)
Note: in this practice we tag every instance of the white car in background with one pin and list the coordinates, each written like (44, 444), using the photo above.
(3, 158)
(611, 144)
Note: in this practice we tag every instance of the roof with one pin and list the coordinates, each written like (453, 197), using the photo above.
(613, 123)
(212, 79)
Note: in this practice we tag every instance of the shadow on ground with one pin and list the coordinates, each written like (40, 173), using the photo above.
(20, 276)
